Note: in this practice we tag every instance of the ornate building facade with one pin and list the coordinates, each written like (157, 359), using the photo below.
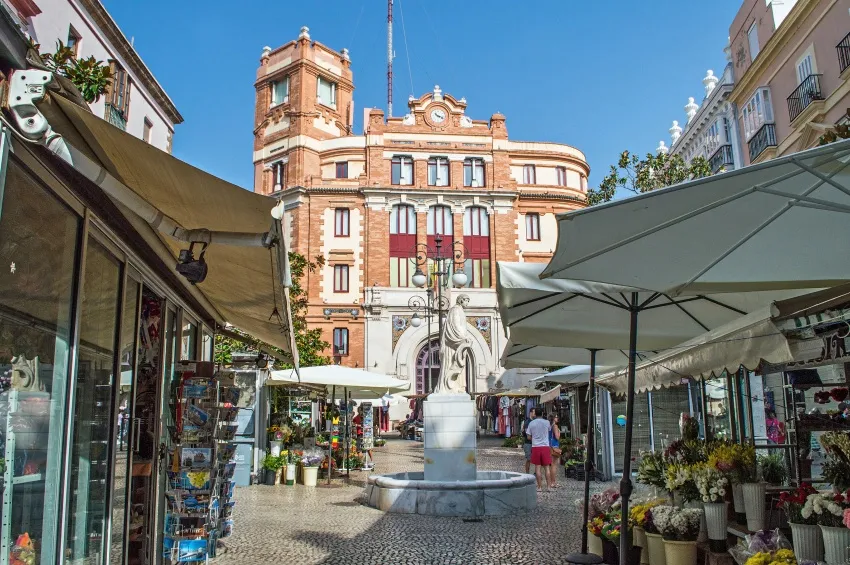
(362, 203)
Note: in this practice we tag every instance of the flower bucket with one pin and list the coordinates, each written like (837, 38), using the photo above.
(594, 544)
(290, 474)
(656, 551)
(836, 542)
(738, 498)
(716, 522)
(681, 552)
(703, 530)
(678, 501)
(808, 542)
(640, 541)
(269, 478)
(610, 552)
(754, 505)
(278, 474)
(275, 448)
(311, 476)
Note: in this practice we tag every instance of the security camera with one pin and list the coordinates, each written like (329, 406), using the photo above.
(195, 270)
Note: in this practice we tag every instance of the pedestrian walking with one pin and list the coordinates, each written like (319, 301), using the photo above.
(541, 455)
(526, 442)
(555, 448)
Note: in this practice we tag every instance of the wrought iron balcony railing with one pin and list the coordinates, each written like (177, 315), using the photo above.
(721, 158)
(764, 138)
(808, 91)
(843, 49)
(115, 117)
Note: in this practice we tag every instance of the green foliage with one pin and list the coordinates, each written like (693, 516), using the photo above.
(272, 463)
(90, 76)
(308, 340)
(644, 175)
(773, 469)
(514, 441)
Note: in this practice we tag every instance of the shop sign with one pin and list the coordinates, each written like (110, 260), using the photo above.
(826, 350)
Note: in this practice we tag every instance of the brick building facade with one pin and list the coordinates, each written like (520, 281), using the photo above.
(363, 202)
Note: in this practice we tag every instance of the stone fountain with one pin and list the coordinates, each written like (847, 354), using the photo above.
(451, 484)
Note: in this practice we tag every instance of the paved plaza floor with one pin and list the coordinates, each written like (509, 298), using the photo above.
(327, 525)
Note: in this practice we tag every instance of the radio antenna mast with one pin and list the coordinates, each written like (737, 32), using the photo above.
(389, 58)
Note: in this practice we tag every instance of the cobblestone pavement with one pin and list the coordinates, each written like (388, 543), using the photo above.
(326, 525)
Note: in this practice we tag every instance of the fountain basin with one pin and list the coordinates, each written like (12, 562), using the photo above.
(493, 493)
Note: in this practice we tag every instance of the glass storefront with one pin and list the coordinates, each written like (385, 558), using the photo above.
(39, 239)
(88, 351)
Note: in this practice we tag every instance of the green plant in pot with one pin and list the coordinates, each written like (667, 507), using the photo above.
(773, 469)
(272, 465)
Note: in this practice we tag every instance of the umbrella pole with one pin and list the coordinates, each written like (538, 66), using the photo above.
(588, 459)
(626, 482)
(347, 433)
(331, 435)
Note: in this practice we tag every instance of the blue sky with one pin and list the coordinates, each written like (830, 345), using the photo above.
(602, 76)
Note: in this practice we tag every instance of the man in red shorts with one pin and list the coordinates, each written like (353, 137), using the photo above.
(541, 454)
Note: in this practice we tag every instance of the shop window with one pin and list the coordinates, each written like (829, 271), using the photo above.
(38, 250)
(402, 244)
(90, 424)
(340, 341)
(73, 42)
(532, 227)
(473, 173)
(476, 239)
(529, 174)
(438, 171)
(342, 222)
(342, 170)
(340, 278)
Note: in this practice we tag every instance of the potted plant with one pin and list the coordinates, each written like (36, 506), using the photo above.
(773, 469)
(310, 461)
(638, 516)
(680, 531)
(594, 535)
(290, 459)
(752, 489)
(680, 482)
(599, 506)
(807, 537)
(611, 538)
(725, 456)
(654, 542)
(271, 465)
(712, 487)
(829, 510)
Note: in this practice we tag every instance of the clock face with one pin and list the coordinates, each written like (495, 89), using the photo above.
(438, 115)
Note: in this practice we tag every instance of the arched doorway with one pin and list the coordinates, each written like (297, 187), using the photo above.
(428, 367)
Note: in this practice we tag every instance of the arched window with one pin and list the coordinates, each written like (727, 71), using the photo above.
(428, 367)
(402, 244)
(476, 239)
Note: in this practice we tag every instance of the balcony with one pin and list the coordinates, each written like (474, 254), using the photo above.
(721, 158)
(116, 118)
(808, 91)
(843, 49)
(764, 138)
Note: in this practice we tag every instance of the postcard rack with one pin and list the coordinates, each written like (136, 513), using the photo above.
(199, 507)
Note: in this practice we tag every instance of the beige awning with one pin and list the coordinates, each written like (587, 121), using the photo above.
(243, 283)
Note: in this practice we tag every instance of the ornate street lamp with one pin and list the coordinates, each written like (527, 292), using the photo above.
(446, 262)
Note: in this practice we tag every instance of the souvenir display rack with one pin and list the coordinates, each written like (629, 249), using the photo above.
(200, 477)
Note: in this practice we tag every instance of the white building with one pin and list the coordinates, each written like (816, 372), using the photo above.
(136, 102)
(711, 129)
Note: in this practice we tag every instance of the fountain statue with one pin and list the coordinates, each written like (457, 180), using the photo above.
(451, 485)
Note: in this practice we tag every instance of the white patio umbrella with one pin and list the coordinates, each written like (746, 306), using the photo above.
(603, 316)
(359, 383)
(570, 375)
(522, 355)
(778, 224)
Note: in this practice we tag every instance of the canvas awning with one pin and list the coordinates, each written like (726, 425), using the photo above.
(766, 226)
(360, 384)
(746, 341)
(243, 284)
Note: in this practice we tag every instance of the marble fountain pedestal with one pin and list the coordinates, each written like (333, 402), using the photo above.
(451, 485)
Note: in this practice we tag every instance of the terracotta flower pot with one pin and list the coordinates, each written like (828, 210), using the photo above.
(681, 552)
(808, 542)
(655, 547)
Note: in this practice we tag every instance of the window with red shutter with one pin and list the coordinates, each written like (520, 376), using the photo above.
(402, 245)
(476, 239)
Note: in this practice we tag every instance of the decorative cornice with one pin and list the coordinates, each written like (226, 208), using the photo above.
(550, 196)
(747, 83)
(110, 29)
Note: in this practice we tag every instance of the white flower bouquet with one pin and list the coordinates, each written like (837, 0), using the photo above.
(681, 524)
(711, 483)
(828, 508)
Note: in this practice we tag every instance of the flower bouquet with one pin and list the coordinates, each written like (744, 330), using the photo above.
(765, 543)
(639, 515)
(710, 482)
(652, 469)
(779, 557)
(836, 469)
(808, 540)
(680, 481)
(680, 529)
(312, 457)
(689, 427)
(826, 508)
(654, 519)
(792, 503)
